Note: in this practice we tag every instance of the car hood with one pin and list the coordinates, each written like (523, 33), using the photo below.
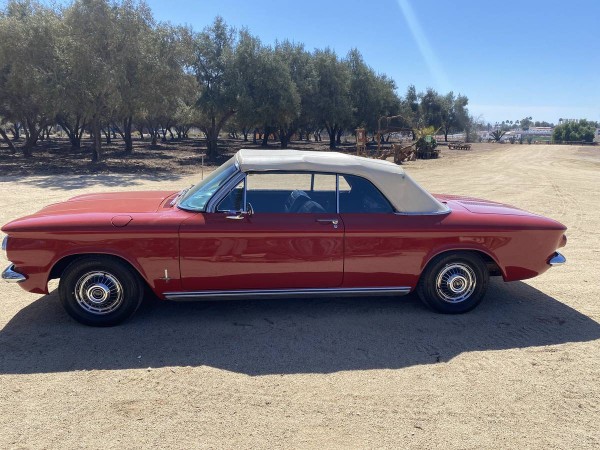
(113, 202)
(480, 206)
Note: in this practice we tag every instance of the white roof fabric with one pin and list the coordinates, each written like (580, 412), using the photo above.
(402, 191)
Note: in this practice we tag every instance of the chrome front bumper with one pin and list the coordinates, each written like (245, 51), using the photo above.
(557, 259)
(10, 275)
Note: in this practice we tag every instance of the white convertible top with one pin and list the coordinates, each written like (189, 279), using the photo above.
(402, 191)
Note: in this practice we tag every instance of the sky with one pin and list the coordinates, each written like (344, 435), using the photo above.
(512, 59)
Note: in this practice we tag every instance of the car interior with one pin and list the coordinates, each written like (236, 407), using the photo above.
(357, 195)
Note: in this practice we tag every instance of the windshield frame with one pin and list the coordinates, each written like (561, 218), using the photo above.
(221, 176)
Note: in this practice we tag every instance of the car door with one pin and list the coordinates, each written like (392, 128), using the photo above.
(382, 248)
(272, 231)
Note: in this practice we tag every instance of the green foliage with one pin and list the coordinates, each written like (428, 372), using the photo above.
(574, 132)
(372, 95)
(426, 142)
(98, 64)
(333, 103)
(30, 72)
(497, 135)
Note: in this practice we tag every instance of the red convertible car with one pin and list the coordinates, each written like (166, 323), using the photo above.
(277, 223)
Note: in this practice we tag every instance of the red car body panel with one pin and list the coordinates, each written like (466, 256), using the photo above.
(275, 251)
(176, 250)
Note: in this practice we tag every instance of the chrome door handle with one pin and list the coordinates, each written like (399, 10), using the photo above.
(238, 217)
(334, 222)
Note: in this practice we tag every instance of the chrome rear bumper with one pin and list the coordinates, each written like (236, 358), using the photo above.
(10, 275)
(557, 259)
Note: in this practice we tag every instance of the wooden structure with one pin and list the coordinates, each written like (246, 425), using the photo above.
(459, 146)
(361, 141)
(385, 125)
(401, 154)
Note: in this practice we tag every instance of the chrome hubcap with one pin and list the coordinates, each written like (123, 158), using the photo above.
(455, 283)
(99, 292)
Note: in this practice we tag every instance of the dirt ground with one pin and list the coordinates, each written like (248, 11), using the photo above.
(520, 371)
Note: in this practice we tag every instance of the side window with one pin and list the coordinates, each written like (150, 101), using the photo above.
(234, 200)
(358, 195)
(276, 192)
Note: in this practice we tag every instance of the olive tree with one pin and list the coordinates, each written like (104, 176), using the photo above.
(29, 70)
(213, 67)
(93, 47)
(333, 105)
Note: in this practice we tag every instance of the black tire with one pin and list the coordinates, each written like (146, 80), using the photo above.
(100, 291)
(454, 283)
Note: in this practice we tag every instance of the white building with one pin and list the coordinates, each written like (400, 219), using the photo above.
(539, 131)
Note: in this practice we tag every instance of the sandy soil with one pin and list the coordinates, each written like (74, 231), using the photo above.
(521, 371)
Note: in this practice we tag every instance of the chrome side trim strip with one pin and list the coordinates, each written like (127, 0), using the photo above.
(289, 293)
(557, 259)
(430, 213)
(10, 275)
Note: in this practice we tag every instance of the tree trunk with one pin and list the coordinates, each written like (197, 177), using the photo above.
(16, 131)
(28, 148)
(283, 139)
(127, 123)
(11, 147)
(338, 138)
(212, 150)
(74, 131)
(212, 134)
(97, 147)
(245, 132)
(332, 132)
(32, 134)
(31, 142)
(265, 140)
(107, 135)
(285, 136)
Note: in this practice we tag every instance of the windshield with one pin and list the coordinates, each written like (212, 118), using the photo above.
(198, 196)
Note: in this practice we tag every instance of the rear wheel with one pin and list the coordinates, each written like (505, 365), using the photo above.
(100, 291)
(454, 283)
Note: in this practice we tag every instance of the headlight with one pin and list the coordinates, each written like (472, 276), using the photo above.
(4, 244)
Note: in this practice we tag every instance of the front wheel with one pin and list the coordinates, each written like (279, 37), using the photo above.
(454, 283)
(100, 291)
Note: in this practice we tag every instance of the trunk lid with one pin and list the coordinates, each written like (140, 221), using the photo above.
(481, 206)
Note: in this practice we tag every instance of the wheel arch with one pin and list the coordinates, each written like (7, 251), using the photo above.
(59, 266)
(493, 266)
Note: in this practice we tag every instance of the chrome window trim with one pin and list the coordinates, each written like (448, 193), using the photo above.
(233, 181)
(238, 177)
(206, 206)
(337, 194)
